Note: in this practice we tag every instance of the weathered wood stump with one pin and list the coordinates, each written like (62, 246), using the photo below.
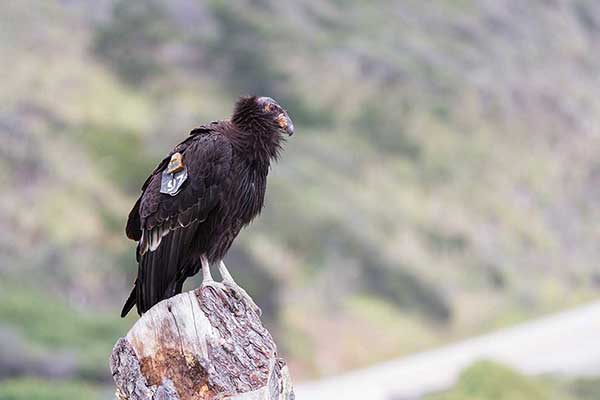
(200, 345)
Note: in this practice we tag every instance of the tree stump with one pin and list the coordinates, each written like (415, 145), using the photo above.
(200, 345)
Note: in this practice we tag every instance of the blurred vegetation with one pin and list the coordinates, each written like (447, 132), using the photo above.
(487, 380)
(441, 183)
(129, 42)
(584, 388)
(47, 325)
(490, 381)
(35, 389)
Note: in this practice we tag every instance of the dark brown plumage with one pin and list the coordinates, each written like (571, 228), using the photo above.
(227, 164)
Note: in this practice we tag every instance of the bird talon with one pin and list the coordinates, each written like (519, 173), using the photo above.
(248, 301)
(211, 284)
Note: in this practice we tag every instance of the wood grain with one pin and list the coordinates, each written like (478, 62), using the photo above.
(200, 345)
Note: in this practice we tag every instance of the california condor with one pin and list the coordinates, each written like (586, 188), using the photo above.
(199, 197)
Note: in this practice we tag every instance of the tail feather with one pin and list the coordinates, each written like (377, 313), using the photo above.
(131, 300)
(161, 272)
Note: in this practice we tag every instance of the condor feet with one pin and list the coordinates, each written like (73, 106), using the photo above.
(241, 294)
(228, 283)
(237, 292)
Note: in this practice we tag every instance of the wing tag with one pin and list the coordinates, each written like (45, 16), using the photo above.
(174, 176)
(171, 183)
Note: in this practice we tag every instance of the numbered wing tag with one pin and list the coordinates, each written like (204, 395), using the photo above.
(174, 176)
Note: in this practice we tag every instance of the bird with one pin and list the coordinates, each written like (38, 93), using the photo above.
(195, 202)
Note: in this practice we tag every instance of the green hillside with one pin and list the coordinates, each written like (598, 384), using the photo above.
(443, 179)
(486, 380)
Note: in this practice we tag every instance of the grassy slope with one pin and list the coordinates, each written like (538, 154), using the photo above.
(485, 380)
(35, 389)
(440, 183)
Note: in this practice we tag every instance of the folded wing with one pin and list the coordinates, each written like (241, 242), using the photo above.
(166, 226)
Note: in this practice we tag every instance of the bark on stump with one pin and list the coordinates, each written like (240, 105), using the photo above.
(200, 345)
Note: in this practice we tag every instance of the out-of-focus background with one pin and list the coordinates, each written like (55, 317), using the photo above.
(444, 180)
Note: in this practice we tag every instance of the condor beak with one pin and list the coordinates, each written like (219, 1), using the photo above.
(290, 127)
(286, 123)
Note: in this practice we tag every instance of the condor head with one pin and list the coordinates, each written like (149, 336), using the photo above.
(262, 114)
(275, 112)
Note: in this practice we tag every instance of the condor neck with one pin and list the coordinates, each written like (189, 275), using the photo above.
(255, 144)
